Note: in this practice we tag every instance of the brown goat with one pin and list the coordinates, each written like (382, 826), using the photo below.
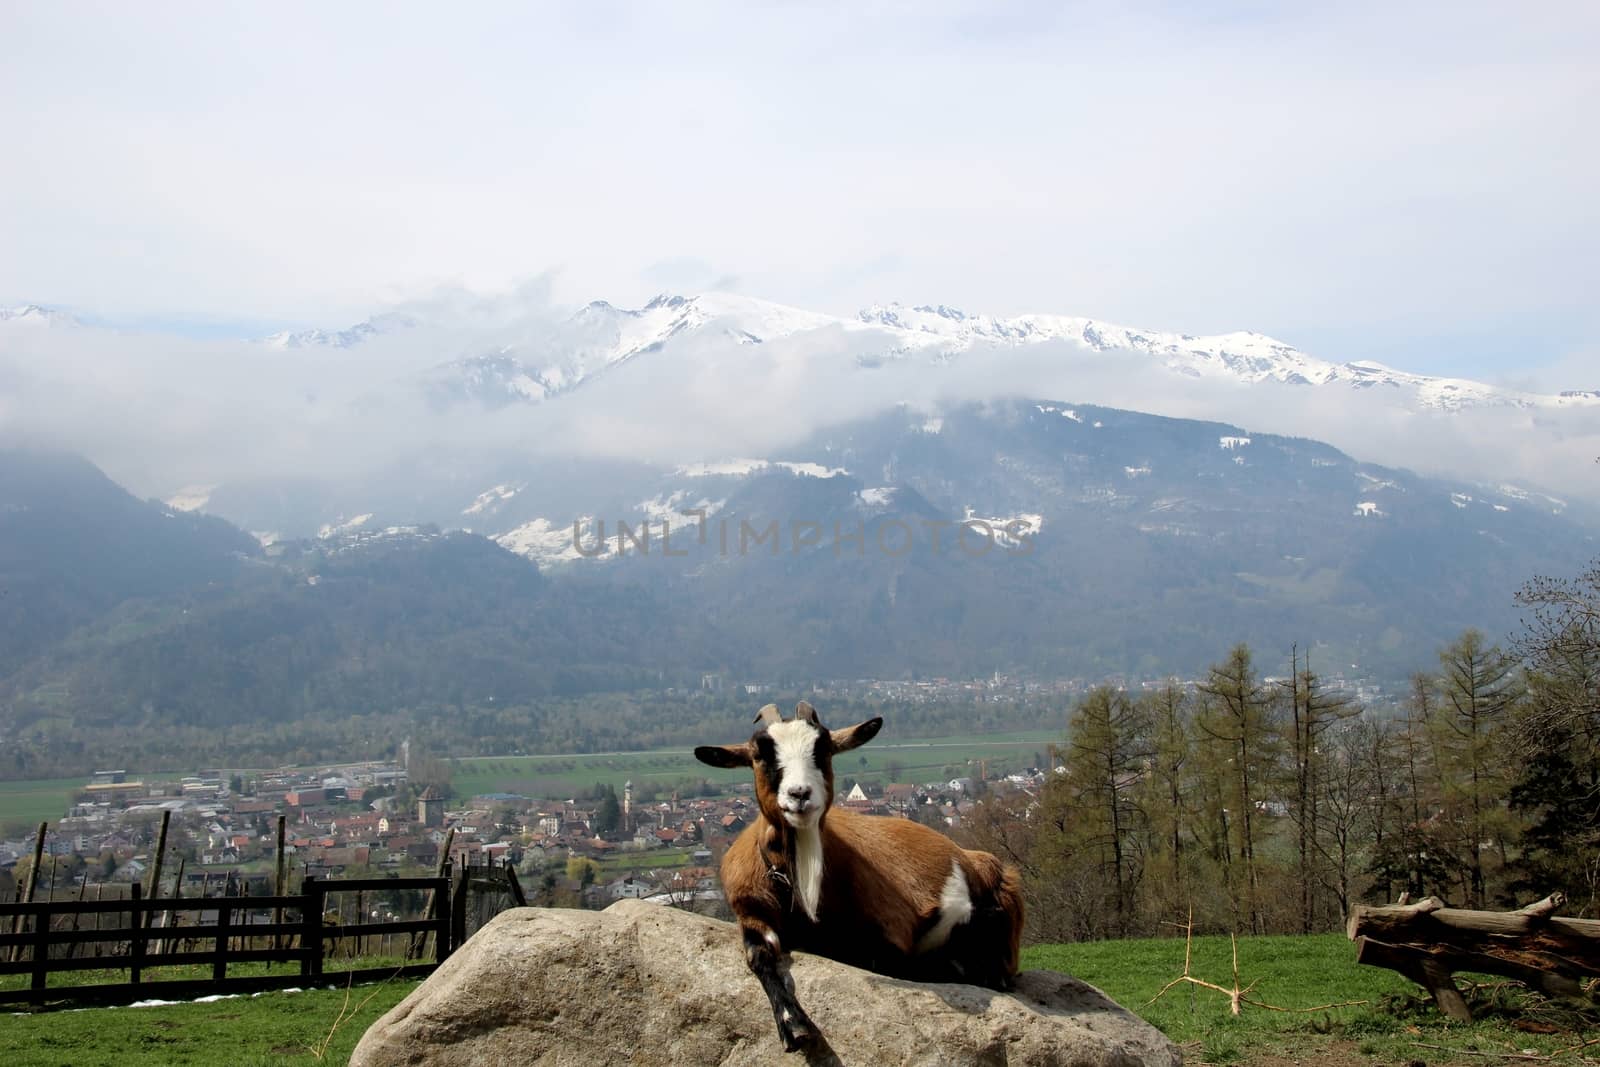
(887, 894)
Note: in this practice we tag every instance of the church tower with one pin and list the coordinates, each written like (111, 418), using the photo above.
(430, 808)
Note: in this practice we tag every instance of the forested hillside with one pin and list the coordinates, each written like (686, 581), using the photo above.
(73, 545)
(127, 626)
(1269, 807)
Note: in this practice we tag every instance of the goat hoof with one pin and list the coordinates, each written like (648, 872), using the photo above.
(797, 1033)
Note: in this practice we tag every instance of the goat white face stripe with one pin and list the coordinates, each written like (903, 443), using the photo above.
(795, 744)
(795, 747)
(955, 908)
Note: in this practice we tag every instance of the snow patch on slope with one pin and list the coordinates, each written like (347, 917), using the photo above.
(548, 543)
(736, 467)
(331, 530)
(489, 501)
(190, 498)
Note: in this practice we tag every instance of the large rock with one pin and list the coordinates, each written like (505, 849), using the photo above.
(644, 984)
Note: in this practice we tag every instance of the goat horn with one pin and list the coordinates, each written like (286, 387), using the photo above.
(807, 712)
(769, 714)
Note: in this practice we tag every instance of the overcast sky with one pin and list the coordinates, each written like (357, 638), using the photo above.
(1414, 184)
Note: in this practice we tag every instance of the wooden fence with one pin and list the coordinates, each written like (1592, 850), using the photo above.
(292, 929)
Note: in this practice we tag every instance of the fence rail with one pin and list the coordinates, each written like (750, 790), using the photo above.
(50, 935)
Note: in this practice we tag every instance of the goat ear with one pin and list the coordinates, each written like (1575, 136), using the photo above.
(857, 735)
(724, 755)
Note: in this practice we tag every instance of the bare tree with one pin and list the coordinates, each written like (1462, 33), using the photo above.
(1312, 710)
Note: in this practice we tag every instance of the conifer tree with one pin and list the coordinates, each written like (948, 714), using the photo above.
(1106, 753)
(1556, 738)
(1478, 687)
(1236, 716)
(1165, 792)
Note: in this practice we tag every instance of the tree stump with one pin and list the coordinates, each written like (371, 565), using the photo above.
(1429, 942)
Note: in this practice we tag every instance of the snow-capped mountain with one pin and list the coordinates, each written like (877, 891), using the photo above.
(1242, 355)
(553, 357)
(37, 315)
(677, 377)
(377, 326)
(601, 337)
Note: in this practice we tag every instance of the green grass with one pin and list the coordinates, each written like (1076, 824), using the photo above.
(332, 967)
(917, 760)
(27, 804)
(656, 859)
(247, 1031)
(1288, 972)
(24, 804)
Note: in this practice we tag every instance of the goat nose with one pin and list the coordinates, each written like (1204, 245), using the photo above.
(800, 792)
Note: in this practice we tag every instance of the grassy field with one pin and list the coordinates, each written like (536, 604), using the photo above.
(1288, 972)
(657, 859)
(333, 968)
(314, 1026)
(27, 804)
(1296, 973)
(23, 805)
(911, 760)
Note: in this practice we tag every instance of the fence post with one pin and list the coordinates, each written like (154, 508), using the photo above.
(458, 908)
(25, 895)
(516, 886)
(219, 967)
(311, 928)
(419, 942)
(41, 951)
(280, 887)
(441, 915)
(166, 943)
(161, 855)
(136, 949)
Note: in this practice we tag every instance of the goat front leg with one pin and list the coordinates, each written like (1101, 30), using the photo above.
(764, 953)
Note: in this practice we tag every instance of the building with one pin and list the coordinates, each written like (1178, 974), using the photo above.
(430, 807)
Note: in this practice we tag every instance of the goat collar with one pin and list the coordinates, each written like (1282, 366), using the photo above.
(800, 877)
(778, 874)
(779, 857)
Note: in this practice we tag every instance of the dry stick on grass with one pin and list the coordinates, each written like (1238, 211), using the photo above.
(346, 1013)
(1238, 995)
(1579, 1047)
(1532, 1057)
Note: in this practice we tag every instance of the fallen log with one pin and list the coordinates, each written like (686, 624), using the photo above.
(1429, 942)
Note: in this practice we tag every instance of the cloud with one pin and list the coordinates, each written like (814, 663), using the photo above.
(1289, 169)
(688, 275)
(160, 413)
(1576, 368)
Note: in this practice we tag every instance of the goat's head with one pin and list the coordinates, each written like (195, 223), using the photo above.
(793, 762)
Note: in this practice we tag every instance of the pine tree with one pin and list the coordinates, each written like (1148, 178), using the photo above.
(1478, 687)
(1165, 792)
(1557, 737)
(1236, 716)
(1107, 747)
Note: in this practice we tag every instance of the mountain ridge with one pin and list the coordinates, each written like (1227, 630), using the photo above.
(944, 332)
